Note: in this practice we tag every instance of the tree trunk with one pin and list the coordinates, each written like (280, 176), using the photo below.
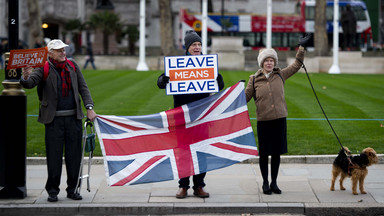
(166, 28)
(320, 36)
(35, 31)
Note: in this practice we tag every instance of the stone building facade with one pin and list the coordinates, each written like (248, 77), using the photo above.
(57, 13)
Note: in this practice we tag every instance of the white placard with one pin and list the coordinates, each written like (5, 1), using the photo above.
(191, 74)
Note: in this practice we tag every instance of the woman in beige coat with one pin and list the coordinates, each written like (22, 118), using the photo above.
(266, 86)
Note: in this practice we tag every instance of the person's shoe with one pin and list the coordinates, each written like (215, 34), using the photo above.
(275, 189)
(199, 192)
(182, 193)
(74, 196)
(266, 189)
(52, 198)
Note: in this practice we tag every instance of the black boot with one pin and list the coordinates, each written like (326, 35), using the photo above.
(274, 188)
(275, 164)
(266, 189)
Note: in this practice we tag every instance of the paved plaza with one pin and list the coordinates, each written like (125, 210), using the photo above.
(235, 190)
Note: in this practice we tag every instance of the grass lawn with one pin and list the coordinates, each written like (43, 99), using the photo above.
(354, 103)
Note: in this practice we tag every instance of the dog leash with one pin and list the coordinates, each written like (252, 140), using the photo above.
(318, 101)
(351, 165)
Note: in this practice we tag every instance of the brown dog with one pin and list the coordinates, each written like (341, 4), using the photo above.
(354, 167)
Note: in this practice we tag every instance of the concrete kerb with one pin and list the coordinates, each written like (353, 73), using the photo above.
(220, 208)
(286, 208)
(315, 209)
(153, 209)
(127, 209)
(363, 209)
(39, 209)
(306, 159)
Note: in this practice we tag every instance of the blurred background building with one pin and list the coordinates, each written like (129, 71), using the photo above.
(112, 25)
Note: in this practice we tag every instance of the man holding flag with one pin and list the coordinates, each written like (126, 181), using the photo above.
(208, 134)
(193, 45)
(202, 133)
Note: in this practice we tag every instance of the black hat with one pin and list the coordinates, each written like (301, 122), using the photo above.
(191, 37)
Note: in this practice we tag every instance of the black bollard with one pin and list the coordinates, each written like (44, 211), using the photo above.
(13, 106)
(13, 146)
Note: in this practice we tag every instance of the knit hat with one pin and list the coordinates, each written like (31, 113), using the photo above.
(266, 53)
(191, 37)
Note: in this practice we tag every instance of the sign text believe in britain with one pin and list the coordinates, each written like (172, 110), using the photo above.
(27, 58)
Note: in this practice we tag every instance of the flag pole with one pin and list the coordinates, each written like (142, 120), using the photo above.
(204, 26)
(142, 66)
(335, 69)
(269, 24)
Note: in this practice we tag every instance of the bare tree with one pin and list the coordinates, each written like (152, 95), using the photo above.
(35, 32)
(321, 37)
(166, 28)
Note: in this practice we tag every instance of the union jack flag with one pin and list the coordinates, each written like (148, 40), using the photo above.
(204, 135)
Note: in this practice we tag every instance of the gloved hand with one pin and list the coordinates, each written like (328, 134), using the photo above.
(220, 81)
(162, 81)
(165, 80)
(304, 41)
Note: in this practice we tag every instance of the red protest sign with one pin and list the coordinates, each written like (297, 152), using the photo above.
(27, 58)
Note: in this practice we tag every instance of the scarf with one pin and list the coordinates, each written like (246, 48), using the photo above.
(65, 75)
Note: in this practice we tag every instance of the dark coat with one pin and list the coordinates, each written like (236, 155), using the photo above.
(90, 53)
(49, 101)
(348, 22)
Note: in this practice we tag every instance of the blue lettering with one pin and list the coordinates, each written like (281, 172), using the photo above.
(201, 87)
(200, 63)
(211, 85)
(170, 88)
(191, 86)
(190, 62)
(181, 86)
(210, 61)
(180, 62)
(170, 64)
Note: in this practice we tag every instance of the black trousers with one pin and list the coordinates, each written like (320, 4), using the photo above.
(349, 40)
(63, 134)
(198, 181)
